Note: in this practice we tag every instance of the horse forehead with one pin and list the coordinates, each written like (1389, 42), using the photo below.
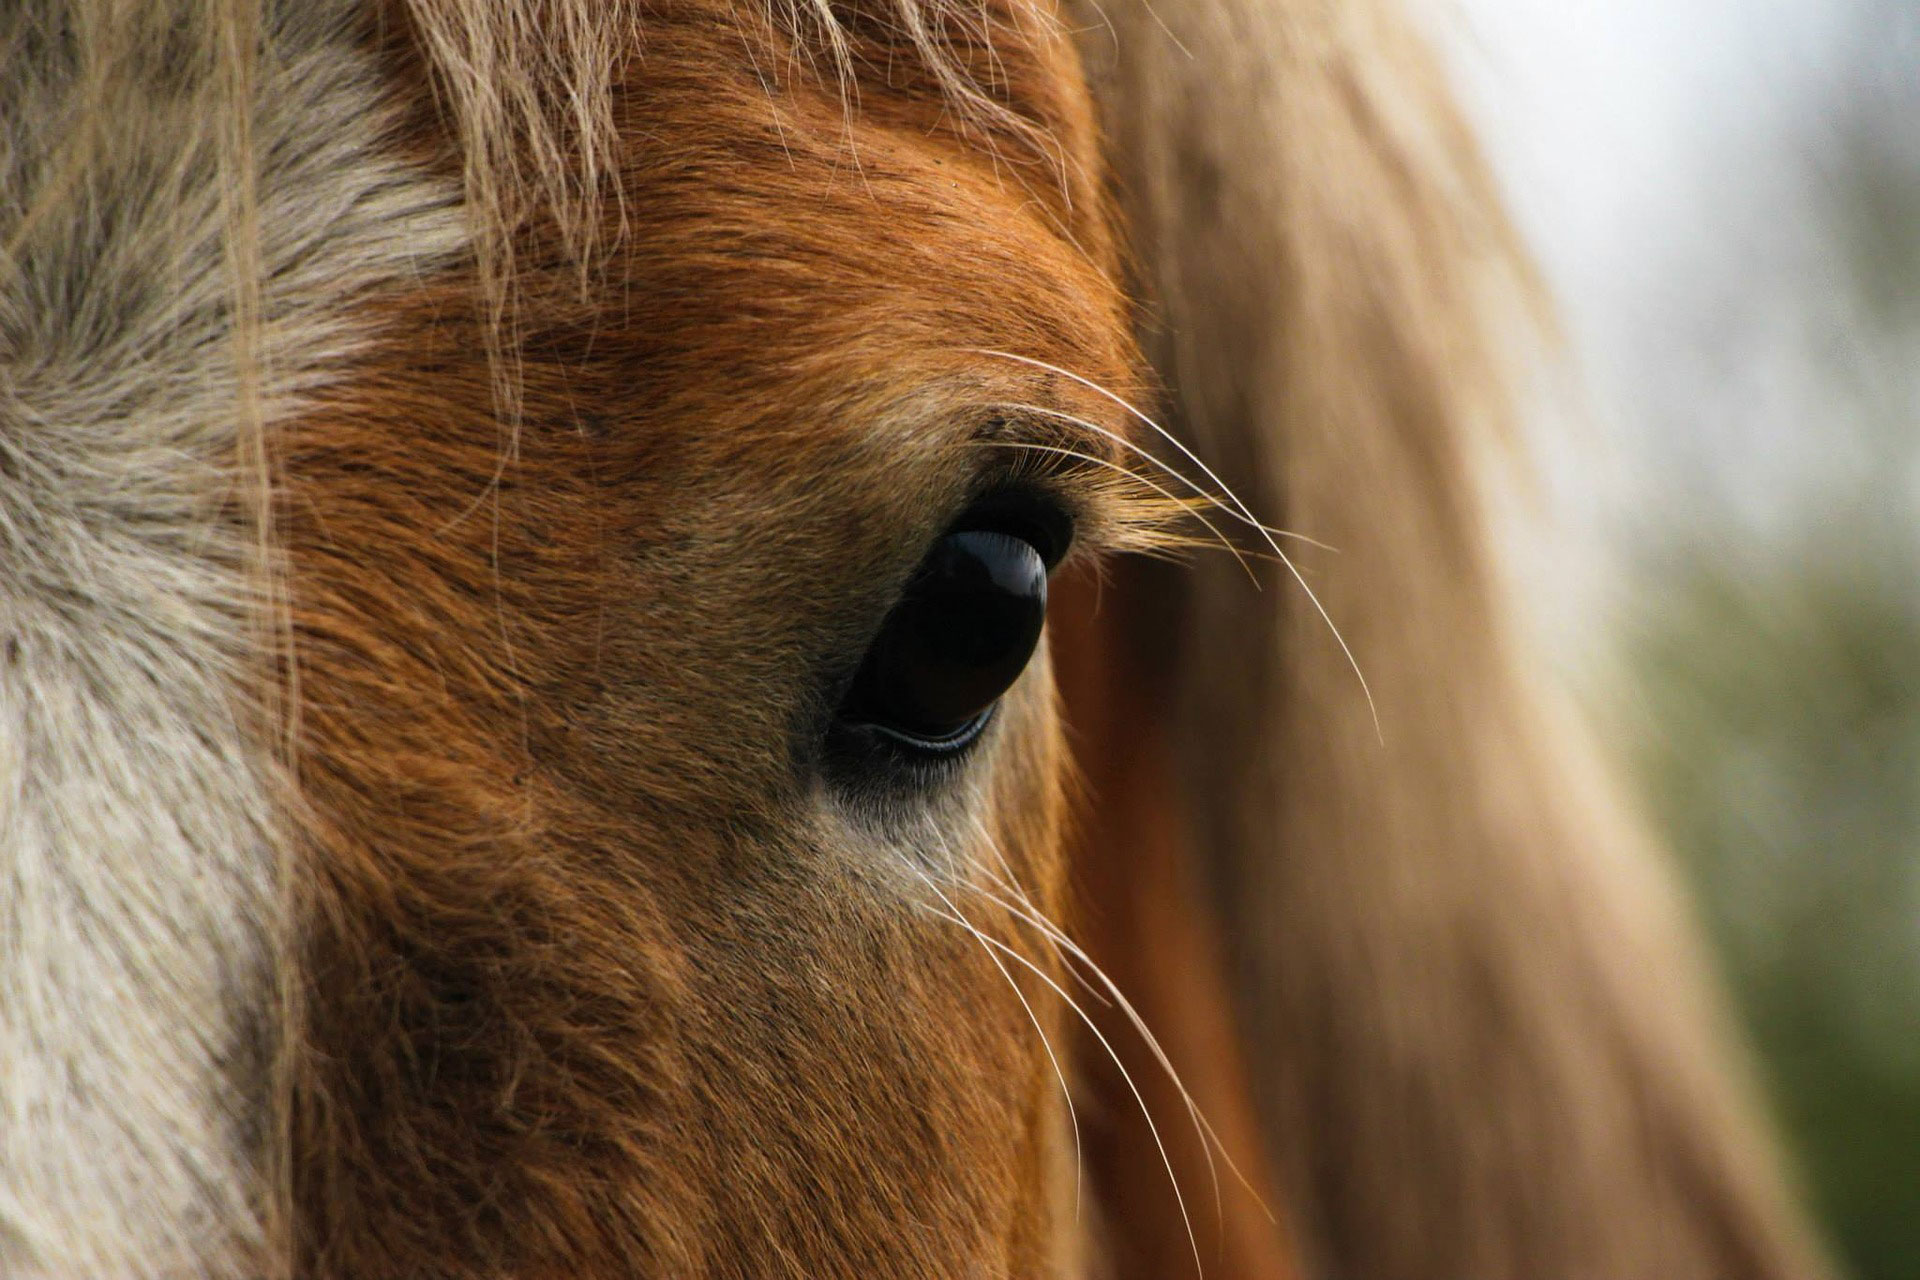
(803, 239)
(141, 836)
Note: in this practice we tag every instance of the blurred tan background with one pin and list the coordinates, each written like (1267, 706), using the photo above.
(1725, 198)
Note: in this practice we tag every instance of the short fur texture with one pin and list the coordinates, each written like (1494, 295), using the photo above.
(451, 455)
(140, 860)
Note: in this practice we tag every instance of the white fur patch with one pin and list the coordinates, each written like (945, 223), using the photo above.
(140, 845)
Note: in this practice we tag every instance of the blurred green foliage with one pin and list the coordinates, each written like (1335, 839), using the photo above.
(1787, 772)
(1783, 675)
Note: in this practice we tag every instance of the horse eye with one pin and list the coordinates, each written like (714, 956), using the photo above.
(958, 639)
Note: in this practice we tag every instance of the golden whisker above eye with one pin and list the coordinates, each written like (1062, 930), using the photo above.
(1145, 523)
(1147, 526)
(1237, 511)
(1245, 513)
(1132, 409)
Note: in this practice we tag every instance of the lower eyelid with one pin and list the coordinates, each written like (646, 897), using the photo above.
(950, 746)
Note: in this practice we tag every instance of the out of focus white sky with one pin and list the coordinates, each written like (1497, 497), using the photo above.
(1686, 171)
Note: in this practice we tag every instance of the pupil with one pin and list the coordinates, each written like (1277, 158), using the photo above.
(958, 640)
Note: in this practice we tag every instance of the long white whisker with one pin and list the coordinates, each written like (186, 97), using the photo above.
(1170, 438)
(1132, 409)
(1372, 710)
(1023, 908)
(1059, 1072)
(1137, 478)
(1050, 932)
(1200, 490)
(1209, 1137)
(1193, 1241)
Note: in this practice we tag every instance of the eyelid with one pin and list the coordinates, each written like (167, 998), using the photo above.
(1111, 500)
(1026, 510)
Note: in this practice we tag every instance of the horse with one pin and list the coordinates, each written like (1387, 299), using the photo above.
(606, 667)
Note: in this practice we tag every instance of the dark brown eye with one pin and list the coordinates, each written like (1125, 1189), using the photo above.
(958, 639)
